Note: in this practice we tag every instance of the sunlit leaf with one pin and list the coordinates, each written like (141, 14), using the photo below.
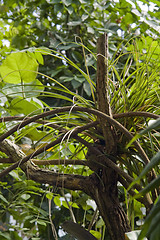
(39, 57)
(96, 234)
(18, 68)
(49, 195)
(57, 201)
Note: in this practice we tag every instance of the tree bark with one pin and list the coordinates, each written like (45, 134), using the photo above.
(106, 192)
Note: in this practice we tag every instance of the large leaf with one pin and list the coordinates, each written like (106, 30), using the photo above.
(19, 67)
(32, 89)
(25, 106)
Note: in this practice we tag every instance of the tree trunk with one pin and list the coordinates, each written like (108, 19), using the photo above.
(105, 191)
(113, 215)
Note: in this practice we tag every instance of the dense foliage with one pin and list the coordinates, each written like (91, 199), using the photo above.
(48, 59)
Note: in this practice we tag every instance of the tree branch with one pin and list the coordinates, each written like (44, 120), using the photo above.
(48, 162)
(136, 114)
(70, 181)
(102, 94)
(23, 160)
(115, 116)
(88, 110)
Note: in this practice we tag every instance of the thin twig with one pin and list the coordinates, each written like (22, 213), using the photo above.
(69, 207)
(94, 218)
(51, 222)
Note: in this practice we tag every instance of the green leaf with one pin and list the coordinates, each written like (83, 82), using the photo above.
(151, 186)
(87, 88)
(155, 232)
(100, 223)
(74, 23)
(154, 162)
(49, 195)
(151, 217)
(32, 89)
(39, 57)
(19, 67)
(96, 234)
(34, 134)
(14, 235)
(155, 125)
(67, 2)
(41, 222)
(156, 2)
(25, 196)
(74, 205)
(3, 199)
(5, 236)
(65, 204)
(25, 106)
(57, 201)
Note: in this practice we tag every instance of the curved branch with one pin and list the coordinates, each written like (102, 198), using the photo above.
(56, 126)
(42, 149)
(70, 181)
(88, 110)
(60, 110)
(116, 116)
(102, 159)
(136, 114)
(77, 231)
(25, 159)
